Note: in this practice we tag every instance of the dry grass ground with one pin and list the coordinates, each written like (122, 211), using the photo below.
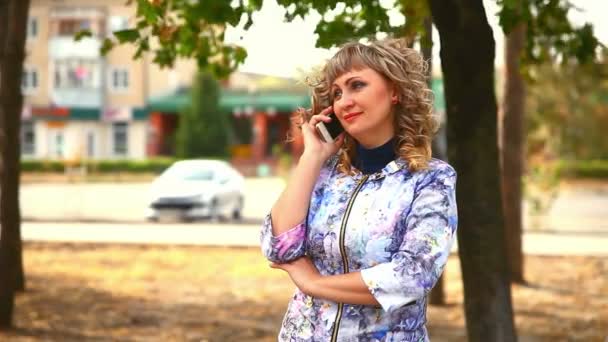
(86, 292)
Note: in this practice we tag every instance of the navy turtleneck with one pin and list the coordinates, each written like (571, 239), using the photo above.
(373, 160)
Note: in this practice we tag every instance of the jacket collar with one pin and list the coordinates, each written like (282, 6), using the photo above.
(390, 168)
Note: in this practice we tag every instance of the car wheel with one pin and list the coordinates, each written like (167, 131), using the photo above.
(237, 214)
(187, 219)
(214, 213)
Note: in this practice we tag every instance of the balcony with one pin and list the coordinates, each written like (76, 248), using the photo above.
(77, 97)
(65, 47)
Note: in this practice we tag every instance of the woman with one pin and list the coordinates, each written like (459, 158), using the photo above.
(366, 224)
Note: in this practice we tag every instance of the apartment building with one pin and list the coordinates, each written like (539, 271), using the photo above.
(78, 103)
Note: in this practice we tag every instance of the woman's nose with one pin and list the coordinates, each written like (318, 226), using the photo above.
(345, 102)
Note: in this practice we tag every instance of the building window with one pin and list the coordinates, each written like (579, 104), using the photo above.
(29, 80)
(91, 144)
(76, 73)
(56, 143)
(32, 28)
(120, 138)
(119, 79)
(28, 138)
(118, 23)
(69, 27)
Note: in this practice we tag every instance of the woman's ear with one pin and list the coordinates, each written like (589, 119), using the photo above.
(394, 95)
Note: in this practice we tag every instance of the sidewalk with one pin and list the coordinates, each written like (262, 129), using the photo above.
(248, 236)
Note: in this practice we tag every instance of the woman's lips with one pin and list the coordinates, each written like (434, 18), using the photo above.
(351, 116)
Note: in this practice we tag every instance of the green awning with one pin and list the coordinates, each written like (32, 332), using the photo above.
(235, 102)
(171, 103)
(280, 102)
(81, 114)
(88, 114)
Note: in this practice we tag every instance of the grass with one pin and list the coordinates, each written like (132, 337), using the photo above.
(94, 292)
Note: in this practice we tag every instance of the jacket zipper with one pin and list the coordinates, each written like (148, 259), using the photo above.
(334, 334)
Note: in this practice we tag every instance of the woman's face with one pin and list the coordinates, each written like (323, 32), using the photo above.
(362, 101)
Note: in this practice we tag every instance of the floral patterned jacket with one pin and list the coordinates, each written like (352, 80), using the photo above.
(394, 226)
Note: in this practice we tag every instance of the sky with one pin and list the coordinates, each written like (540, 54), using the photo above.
(285, 49)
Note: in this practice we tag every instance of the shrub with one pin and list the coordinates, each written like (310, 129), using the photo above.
(154, 165)
(584, 168)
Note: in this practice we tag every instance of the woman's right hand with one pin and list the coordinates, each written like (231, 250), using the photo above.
(314, 146)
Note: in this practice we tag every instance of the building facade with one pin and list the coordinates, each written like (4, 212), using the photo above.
(78, 103)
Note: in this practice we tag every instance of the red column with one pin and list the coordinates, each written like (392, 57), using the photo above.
(260, 136)
(154, 134)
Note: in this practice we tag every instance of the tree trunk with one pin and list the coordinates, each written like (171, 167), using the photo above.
(13, 23)
(467, 60)
(512, 151)
(437, 295)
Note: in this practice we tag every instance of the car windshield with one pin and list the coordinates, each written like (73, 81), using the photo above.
(188, 172)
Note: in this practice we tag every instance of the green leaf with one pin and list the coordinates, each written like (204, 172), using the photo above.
(148, 11)
(240, 54)
(82, 34)
(255, 4)
(129, 35)
(141, 23)
(142, 47)
(164, 57)
(249, 22)
(106, 46)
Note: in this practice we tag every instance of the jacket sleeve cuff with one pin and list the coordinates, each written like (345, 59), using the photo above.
(284, 247)
(385, 286)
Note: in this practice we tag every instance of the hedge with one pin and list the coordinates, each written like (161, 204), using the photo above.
(583, 168)
(155, 165)
(568, 169)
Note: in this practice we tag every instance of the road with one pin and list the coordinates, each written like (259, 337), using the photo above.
(247, 235)
(122, 202)
(579, 207)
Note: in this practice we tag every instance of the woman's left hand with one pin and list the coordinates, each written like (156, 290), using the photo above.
(302, 272)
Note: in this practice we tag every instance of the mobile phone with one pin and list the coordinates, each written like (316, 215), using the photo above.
(329, 131)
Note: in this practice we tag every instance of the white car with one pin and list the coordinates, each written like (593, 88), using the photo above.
(192, 189)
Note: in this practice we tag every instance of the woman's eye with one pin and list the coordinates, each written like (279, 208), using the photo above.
(337, 93)
(357, 85)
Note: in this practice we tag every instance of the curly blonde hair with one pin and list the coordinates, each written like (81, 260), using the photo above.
(405, 68)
